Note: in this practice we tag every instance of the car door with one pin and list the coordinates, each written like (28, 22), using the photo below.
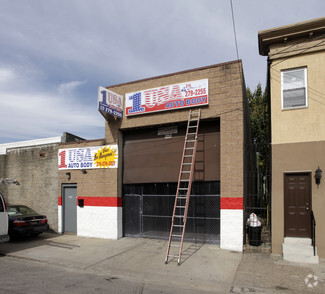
(3, 218)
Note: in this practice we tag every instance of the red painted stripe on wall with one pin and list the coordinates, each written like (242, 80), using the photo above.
(102, 201)
(231, 202)
(98, 201)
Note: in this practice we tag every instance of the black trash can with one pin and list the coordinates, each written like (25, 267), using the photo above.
(254, 235)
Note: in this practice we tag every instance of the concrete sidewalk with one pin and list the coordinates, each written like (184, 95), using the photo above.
(204, 267)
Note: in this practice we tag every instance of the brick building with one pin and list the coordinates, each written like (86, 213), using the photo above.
(135, 195)
(34, 164)
(87, 203)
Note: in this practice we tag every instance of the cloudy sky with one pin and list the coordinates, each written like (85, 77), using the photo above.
(54, 54)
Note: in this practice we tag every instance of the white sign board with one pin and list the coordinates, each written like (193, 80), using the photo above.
(187, 94)
(88, 157)
(110, 102)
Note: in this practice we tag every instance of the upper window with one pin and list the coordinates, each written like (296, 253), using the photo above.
(294, 88)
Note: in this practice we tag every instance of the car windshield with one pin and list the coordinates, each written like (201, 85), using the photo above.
(20, 210)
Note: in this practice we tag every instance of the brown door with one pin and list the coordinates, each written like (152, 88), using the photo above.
(297, 205)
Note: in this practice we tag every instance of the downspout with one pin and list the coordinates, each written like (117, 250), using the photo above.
(269, 182)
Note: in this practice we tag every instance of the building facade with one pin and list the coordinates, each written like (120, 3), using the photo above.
(125, 184)
(135, 196)
(296, 65)
(34, 164)
(88, 204)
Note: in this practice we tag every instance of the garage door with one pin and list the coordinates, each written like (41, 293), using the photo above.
(151, 163)
(149, 156)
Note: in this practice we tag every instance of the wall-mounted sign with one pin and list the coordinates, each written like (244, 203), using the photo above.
(167, 132)
(88, 157)
(110, 102)
(189, 94)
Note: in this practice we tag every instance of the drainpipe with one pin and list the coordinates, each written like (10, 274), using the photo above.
(269, 184)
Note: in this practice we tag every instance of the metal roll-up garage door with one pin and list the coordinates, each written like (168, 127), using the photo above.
(151, 162)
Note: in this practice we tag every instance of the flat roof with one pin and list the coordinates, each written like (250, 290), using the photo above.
(175, 73)
(29, 143)
(67, 137)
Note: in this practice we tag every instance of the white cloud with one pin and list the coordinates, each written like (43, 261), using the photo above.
(44, 115)
(69, 87)
(6, 75)
(54, 54)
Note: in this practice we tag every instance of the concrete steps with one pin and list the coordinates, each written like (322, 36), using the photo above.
(299, 250)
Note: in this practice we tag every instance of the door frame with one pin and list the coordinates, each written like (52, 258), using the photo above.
(309, 173)
(64, 205)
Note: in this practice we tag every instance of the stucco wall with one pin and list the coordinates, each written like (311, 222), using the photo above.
(299, 125)
(311, 155)
(297, 134)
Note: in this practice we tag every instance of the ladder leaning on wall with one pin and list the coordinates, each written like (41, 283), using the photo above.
(182, 199)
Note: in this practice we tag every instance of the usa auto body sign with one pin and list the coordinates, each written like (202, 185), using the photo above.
(88, 158)
(188, 94)
(110, 102)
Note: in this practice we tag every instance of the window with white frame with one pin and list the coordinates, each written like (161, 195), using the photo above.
(294, 88)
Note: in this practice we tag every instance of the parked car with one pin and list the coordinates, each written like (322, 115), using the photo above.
(24, 221)
(4, 237)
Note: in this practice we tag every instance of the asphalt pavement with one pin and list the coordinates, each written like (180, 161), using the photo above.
(204, 267)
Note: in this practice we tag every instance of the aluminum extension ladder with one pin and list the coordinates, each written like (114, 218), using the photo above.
(182, 199)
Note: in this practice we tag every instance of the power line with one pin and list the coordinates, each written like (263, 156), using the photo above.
(299, 53)
(276, 76)
(311, 91)
(234, 26)
(287, 49)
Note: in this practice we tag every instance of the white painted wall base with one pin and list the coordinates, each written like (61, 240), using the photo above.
(99, 222)
(231, 229)
(60, 219)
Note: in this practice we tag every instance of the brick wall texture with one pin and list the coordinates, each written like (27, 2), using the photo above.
(3, 174)
(36, 171)
(226, 88)
(36, 168)
(96, 182)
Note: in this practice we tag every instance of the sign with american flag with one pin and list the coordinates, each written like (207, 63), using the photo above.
(188, 94)
(110, 103)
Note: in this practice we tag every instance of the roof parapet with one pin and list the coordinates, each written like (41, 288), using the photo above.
(305, 29)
